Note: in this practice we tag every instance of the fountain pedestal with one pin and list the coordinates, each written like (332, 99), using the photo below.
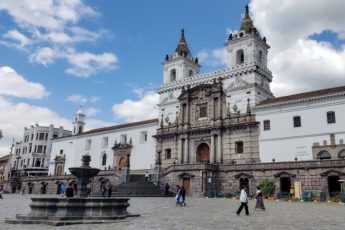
(76, 210)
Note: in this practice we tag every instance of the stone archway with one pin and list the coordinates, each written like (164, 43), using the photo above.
(203, 153)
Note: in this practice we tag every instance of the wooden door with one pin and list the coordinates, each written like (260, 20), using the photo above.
(186, 185)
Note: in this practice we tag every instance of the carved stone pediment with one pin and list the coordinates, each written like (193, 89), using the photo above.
(243, 175)
(332, 172)
(284, 174)
(185, 175)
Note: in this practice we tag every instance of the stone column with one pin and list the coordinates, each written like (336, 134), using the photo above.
(180, 150)
(212, 150)
(186, 150)
(219, 149)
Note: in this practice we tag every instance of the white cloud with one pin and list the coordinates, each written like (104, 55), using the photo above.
(92, 111)
(94, 98)
(86, 64)
(15, 116)
(213, 58)
(44, 56)
(52, 32)
(12, 84)
(145, 108)
(17, 39)
(299, 63)
(77, 98)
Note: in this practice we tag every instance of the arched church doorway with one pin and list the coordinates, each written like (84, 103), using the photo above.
(333, 185)
(285, 185)
(244, 182)
(203, 153)
(122, 162)
(186, 185)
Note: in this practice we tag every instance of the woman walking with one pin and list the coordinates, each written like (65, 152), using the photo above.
(259, 199)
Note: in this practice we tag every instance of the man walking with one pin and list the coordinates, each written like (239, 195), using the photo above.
(244, 202)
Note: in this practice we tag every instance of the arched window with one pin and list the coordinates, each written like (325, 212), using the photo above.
(104, 159)
(341, 154)
(191, 73)
(240, 57)
(173, 75)
(323, 155)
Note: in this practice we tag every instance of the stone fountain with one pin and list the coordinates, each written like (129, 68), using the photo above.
(76, 210)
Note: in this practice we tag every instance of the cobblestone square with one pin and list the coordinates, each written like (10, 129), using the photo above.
(201, 213)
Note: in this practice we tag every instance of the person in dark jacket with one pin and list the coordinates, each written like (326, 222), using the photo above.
(109, 189)
(69, 191)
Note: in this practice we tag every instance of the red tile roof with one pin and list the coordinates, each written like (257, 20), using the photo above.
(299, 96)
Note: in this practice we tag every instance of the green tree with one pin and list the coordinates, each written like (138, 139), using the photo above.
(267, 187)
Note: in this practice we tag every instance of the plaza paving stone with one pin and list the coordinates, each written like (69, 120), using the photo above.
(201, 213)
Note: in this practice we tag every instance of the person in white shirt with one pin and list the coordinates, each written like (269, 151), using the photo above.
(244, 202)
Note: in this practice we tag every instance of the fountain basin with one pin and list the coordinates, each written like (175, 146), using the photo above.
(66, 211)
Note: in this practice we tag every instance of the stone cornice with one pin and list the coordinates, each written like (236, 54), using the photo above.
(290, 103)
(208, 78)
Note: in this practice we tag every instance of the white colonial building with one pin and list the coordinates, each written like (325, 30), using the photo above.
(292, 125)
(31, 155)
(98, 143)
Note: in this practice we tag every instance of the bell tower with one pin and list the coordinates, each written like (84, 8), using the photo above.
(78, 122)
(180, 65)
(247, 54)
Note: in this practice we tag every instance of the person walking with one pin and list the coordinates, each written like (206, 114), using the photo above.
(177, 195)
(147, 175)
(244, 202)
(62, 190)
(110, 189)
(259, 199)
(182, 198)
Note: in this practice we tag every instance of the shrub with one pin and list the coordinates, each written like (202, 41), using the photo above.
(267, 187)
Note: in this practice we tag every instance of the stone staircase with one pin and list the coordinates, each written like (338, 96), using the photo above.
(135, 189)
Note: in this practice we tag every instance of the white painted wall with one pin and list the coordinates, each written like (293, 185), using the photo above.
(142, 156)
(283, 142)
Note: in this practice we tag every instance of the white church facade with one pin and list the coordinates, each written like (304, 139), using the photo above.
(221, 130)
(98, 143)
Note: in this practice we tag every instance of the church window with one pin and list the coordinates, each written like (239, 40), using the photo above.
(143, 136)
(123, 138)
(341, 154)
(239, 146)
(168, 154)
(297, 121)
(330, 117)
(323, 155)
(88, 144)
(267, 125)
(240, 57)
(203, 111)
(173, 75)
(61, 151)
(191, 73)
(104, 159)
(104, 142)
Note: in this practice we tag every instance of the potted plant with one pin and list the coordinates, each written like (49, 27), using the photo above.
(267, 188)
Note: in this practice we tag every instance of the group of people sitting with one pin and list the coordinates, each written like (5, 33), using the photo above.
(107, 189)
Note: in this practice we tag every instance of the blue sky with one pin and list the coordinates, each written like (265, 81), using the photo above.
(106, 56)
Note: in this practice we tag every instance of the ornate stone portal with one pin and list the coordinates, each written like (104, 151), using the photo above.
(76, 210)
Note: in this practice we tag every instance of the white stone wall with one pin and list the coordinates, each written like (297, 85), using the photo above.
(284, 142)
(142, 155)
